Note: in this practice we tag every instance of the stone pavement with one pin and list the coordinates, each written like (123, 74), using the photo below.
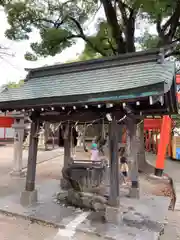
(47, 210)
(10, 185)
(138, 222)
(140, 219)
(13, 228)
(6, 157)
(172, 168)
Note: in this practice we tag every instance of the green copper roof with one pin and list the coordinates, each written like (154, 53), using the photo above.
(100, 80)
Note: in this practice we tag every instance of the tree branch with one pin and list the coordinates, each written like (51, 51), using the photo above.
(122, 8)
(83, 36)
(113, 23)
(173, 21)
(158, 25)
(57, 24)
(111, 46)
(129, 31)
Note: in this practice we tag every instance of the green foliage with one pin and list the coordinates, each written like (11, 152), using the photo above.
(156, 8)
(102, 41)
(61, 23)
(30, 56)
(14, 84)
(148, 41)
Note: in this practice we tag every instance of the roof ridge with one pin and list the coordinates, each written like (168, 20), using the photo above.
(104, 59)
(114, 61)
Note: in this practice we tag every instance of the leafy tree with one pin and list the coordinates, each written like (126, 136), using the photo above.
(61, 23)
(14, 84)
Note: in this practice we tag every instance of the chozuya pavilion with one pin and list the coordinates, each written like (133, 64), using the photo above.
(127, 87)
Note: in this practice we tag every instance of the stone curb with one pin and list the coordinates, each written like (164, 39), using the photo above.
(48, 223)
(33, 220)
(163, 179)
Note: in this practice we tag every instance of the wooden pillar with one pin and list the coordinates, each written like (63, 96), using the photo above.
(32, 156)
(67, 154)
(141, 158)
(29, 196)
(46, 134)
(146, 140)
(157, 132)
(134, 145)
(114, 164)
(149, 140)
(164, 141)
(67, 145)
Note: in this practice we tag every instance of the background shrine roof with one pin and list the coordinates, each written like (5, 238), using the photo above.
(127, 71)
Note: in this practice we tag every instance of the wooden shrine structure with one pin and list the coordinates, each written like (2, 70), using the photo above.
(119, 90)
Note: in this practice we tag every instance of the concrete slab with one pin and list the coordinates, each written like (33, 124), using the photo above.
(141, 219)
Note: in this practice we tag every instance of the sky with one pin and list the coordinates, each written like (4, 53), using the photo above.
(12, 67)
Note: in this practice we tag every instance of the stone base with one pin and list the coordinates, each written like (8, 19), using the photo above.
(62, 195)
(134, 193)
(28, 197)
(64, 184)
(113, 215)
(17, 174)
(163, 179)
(158, 172)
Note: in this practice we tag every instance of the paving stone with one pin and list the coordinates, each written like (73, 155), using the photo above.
(151, 209)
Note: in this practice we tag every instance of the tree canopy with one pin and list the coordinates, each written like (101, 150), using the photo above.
(61, 22)
(14, 84)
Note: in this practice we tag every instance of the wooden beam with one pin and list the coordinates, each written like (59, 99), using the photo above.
(82, 115)
(76, 117)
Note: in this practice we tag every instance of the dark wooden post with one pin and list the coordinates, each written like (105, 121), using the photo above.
(46, 134)
(67, 145)
(29, 196)
(32, 157)
(141, 150)
(132, 128)
(67, 154)
(114, 164)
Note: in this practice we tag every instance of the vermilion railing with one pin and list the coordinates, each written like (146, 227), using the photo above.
(6, 122)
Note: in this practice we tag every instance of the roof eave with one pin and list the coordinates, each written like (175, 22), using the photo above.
(116, 96)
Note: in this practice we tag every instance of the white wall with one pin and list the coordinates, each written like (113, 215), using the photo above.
(2, 133)
(9, 133)
(6, 133)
